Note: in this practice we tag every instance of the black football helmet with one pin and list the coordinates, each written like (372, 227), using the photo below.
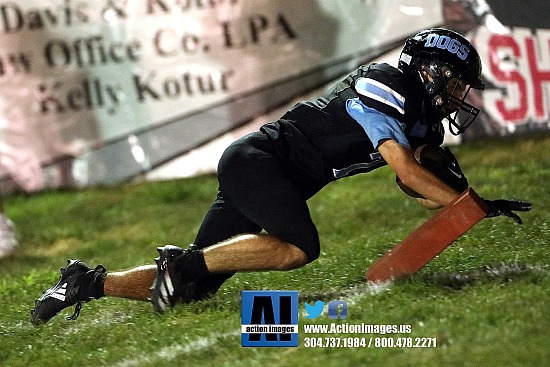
(450, 66)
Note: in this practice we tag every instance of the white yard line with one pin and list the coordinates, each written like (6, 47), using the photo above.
(176, 350)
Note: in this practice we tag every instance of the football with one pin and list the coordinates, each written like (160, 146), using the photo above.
(442, 163)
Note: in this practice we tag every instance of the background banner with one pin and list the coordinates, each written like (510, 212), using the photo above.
(101, 91)
(98, 92)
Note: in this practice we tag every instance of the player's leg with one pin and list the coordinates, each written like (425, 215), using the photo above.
(268, 200)
(78, 283)
(248, 252)
(181, 274)
(259, 186)
(260, 190)
(132, 284)
(221, 222)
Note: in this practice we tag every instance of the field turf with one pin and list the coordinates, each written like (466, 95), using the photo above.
(485, 299)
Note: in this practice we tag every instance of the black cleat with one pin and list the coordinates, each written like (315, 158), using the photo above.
(77, 284)
(170, 285)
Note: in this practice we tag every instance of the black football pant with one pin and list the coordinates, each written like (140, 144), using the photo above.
(257, 191)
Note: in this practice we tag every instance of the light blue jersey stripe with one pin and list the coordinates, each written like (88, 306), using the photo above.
(377, 125)
(380, 92)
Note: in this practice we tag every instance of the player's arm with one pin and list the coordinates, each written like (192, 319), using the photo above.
(402, 161)
(387, 134)
(428, 204)
(431, 188)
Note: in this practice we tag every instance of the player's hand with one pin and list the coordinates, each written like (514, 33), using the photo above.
(507, 208)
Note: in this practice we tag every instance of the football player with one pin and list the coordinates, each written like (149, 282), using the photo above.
(376, 116)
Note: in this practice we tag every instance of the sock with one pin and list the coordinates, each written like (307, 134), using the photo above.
(99, 282)
(195, 267)
(92, 284)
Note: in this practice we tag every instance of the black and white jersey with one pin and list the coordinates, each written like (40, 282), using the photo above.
(327, 138)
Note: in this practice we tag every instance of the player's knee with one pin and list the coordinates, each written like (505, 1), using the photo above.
(294, 258)
(313, 254)
(297, 257)
(312, 247)
(307, 249)
(228, 162)
(233, 161)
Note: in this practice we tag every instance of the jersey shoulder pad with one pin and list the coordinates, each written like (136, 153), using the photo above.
(381, 88)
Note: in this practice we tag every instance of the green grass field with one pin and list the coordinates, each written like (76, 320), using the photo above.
(486, 299)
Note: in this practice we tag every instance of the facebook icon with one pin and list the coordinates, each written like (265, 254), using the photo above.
(334, 306)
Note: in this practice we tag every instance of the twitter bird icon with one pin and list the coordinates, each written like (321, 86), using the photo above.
(314, 311)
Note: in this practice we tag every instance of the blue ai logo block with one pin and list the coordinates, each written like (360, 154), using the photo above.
(334, 307)
(269, 318)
